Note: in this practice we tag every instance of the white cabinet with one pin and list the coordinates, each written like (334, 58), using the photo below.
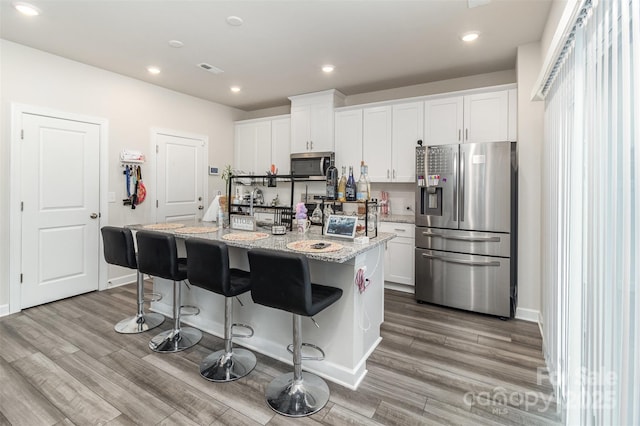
(478, 117)
(348, 138)
(389, 141)
(407, 129)
(400, 253)
(312, 121)
(260, 143)
(281, 144)
(376, 146)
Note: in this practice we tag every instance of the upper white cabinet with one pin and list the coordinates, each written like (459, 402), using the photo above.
(312, 125)
(389, 141)
(348, 138)
(478, 117)
(260, 143)
(407, 128)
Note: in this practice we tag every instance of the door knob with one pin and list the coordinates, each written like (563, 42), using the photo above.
(200, 207)
(94, 215)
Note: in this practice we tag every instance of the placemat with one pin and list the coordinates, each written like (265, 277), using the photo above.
(245, 236)
(164, 226)
(196, 230)
(307, 246)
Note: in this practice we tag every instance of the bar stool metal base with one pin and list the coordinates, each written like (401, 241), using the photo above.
(297, 398)
(139, 323)
(175, 340)
(222, 366)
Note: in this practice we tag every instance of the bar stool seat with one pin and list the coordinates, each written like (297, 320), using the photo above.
(208, 268)
(119, 250)
(282, 281)
(158, 256)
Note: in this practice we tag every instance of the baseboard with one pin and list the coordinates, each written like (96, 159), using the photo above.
(530, 315)
(399, 287)
(4, 310)
(125, 279)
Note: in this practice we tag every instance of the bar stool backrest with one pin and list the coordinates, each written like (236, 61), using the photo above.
(118, 247)
(208, 265)
(281, 281)
(158, 255)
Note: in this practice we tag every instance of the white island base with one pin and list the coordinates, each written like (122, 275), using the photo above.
(349, 329)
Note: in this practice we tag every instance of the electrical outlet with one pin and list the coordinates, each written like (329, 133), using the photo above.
(409, 208)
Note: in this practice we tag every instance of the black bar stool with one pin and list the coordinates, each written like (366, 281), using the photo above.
(208, 268)
(282, 281)
(158, 256)
(119, 250)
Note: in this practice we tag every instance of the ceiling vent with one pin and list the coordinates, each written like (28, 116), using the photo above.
(210, 68)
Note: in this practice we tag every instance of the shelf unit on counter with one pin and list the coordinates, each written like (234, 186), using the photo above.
(283, 215)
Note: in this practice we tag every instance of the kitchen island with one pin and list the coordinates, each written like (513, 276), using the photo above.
(348, 331)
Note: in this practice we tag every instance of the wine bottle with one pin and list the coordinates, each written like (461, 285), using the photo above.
(350, 188)
(342, 185)
(366, 177)
(332, 181)
(361, 189)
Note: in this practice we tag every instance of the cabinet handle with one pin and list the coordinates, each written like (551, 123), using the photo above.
(394, 173)
(399, 229)
(466, 134)
(388, 175)
(459, 134)
(311, 143)
(307, 145)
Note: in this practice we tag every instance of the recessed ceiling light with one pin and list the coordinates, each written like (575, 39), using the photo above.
(176, 43)
(26, 9)
(471, 36)
(235, 89)
(235, 21)
(328, 68)
(153, 70)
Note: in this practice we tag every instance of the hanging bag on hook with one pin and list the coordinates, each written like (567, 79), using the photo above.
(142, 190)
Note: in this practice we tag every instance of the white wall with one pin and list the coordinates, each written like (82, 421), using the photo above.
(132, 107)
(530, 141)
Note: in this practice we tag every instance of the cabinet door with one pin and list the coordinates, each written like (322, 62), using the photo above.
(244, 148)
(262, 161)
(443, 121)
(399, 267)
(281, 145)
(300, 128)
(486, 117)
(348, 138)
(376, 145)
(321, 128)
(407, 129)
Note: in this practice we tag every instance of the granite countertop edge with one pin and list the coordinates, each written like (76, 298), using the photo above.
(349, 251)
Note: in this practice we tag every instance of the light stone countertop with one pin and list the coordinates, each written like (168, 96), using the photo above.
(398, 218)
(279, 242)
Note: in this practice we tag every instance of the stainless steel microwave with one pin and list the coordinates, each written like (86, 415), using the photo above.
(311, 165)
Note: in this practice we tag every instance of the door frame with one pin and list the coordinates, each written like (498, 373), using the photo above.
(153, 163)
(15, 216)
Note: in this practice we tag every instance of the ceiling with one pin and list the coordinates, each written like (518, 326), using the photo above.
(279, 49)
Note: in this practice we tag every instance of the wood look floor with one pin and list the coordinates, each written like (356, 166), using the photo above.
(62, 363)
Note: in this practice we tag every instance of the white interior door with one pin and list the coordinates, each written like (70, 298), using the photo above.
(180, 174)
(60, 177)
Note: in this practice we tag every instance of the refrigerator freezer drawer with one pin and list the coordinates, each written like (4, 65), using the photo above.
(474, 283)
(481, 243)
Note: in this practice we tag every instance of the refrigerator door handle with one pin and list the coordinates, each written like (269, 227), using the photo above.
(460, 261)
(462, 157)
(455, 186)
(468, 239)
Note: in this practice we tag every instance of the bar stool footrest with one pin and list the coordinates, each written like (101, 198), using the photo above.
(242, 336)
(152, 297)
(309, 358)
(189, 310)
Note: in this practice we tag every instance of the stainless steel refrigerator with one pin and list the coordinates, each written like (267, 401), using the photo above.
(466, 226)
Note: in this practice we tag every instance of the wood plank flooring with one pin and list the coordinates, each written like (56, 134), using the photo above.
(63, 364)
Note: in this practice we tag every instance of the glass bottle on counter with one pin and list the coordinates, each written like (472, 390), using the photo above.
(350, 187)
(332, 181)
(342, 185)
(361, 189)
(366, 177)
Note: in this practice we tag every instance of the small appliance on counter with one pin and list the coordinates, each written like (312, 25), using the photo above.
(466, 226)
